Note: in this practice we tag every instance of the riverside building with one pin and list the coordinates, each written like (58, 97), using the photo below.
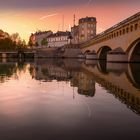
(59, 39)
(84, 31)
(36, 38)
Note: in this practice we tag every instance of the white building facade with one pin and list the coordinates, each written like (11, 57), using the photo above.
(59, 39)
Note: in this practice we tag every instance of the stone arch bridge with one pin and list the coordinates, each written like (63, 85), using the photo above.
(118, 43)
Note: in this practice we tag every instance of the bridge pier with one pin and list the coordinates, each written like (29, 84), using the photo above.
(91, 56)
(117, 67)
(117, 55)
(117, 58)
(81, 56)
(91, 62)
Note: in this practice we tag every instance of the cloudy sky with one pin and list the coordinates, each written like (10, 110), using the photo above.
(59, 3)
(26, 16)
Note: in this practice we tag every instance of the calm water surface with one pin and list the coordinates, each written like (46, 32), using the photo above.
(70, 100)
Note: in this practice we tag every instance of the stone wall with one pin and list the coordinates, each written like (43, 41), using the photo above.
(71, 52)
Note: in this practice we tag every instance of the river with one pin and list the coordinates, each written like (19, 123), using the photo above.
(69, 99)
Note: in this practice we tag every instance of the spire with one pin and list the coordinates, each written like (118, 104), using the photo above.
(74, 20)
(63, 18)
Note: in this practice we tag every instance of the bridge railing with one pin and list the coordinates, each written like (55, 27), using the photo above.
(109, 33)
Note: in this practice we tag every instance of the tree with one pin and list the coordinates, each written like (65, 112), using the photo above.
(7, 44)
(36, 44)
(44, 42)
(30, 43)
(23, 43)
(11, 42)
(15, 37)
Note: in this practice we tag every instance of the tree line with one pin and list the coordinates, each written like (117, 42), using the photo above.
(11, 42)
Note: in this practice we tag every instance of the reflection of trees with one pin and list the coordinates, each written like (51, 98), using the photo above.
(6, 71)
(32, 71)
(21, 66)
(45, 71)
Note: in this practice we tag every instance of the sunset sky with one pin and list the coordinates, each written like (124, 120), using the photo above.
(29, 16)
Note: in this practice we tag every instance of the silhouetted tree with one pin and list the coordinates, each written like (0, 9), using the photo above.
(11, 42)
(36, 44)
(44, 42)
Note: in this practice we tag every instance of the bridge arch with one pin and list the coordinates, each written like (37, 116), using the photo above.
(102, 67)
(87, 52)
(133, 74)
(133, 51)
(102, 52)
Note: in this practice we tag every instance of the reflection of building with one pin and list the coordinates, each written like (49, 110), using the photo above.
(86, 85)
(50, 71)
(84, 31)
(84, 82)
(59, 39)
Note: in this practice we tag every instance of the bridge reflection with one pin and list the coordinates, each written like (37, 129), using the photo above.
(120, 80)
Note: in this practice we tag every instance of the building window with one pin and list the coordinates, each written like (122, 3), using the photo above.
(127, 30)
(92, 25)
(92, 32)
(131, 28)
(123, 31)
(89, 25)
(136, 26)
(112, 35)
(120, 32)
(83, 32)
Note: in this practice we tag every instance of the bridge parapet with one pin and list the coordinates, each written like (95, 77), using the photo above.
(124, 27)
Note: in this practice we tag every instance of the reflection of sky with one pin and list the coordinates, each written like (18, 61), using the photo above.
(25, 16)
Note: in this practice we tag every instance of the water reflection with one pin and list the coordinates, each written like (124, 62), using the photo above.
(121, 80)
(68, 97)
(6, 71)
